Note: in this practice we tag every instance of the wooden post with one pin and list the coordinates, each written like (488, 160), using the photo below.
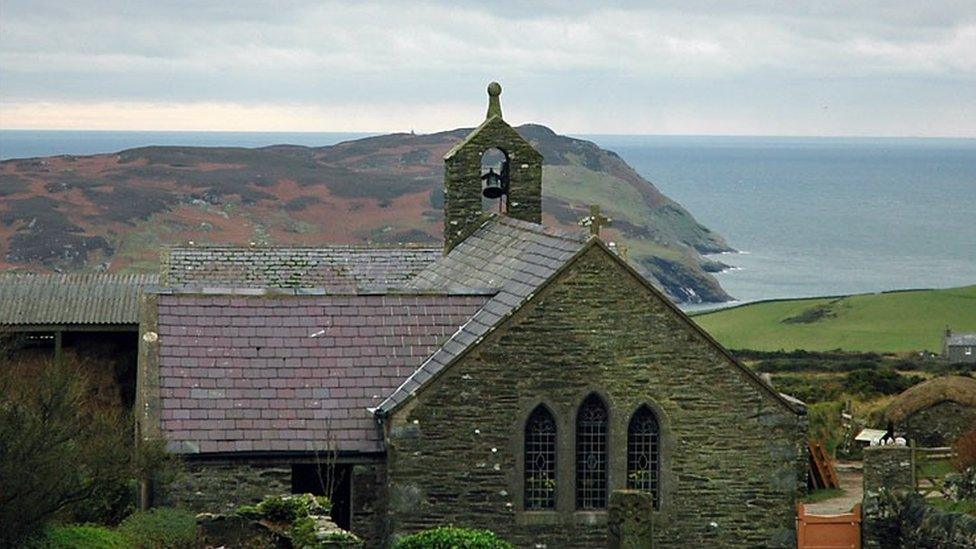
(57, 347)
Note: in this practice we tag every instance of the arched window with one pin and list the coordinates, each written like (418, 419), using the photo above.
(540, 460)
(591, 454)
(644, 453)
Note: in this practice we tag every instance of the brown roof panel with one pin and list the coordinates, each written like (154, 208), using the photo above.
(292, 373)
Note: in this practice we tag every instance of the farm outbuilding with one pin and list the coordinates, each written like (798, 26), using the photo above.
(958, 348)
(90, 321)
(936, 412)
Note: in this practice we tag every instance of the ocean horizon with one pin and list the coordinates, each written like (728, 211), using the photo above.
(810, 216)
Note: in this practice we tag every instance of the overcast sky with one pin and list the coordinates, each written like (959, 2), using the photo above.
(824, 67)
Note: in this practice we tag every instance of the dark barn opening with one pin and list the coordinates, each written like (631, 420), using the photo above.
(334, 481)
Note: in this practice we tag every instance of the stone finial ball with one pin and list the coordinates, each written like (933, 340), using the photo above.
(494, 89)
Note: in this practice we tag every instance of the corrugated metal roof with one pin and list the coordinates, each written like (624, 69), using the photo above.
(71, 298)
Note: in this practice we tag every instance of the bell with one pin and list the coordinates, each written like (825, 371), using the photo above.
(494, 185)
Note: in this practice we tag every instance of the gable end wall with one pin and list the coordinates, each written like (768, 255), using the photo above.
(730, 449)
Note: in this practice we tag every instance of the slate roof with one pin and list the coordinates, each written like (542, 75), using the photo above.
(291, 373)
(338, 268)
(307, 370)
(961, 340)
(71, 299)
(515, 257)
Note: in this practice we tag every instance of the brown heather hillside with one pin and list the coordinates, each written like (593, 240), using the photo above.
(113, 211)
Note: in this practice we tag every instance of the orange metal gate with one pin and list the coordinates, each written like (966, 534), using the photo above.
(828, 531)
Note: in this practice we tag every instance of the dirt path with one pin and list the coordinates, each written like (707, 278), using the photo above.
(850, 482)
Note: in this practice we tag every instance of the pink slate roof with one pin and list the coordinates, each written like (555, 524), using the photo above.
(292, 372)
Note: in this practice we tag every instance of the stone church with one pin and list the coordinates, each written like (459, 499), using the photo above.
(513, 380)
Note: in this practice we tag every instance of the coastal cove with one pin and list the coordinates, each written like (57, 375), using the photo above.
(811, 216)
(823, 216)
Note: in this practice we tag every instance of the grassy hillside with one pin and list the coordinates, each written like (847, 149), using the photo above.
(887, 322)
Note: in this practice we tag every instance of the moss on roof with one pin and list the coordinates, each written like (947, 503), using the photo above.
(957, 389)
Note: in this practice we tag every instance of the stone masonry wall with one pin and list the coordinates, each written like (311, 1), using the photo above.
(730, 450)
(940, 424)
(888, 472)
(921, 526)
(219, 487)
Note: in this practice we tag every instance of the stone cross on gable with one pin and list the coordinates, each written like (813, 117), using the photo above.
(595, 221)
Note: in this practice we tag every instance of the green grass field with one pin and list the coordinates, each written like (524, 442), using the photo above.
(887, 322)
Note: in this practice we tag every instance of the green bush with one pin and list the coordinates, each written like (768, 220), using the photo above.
(303, 535)
(884, 381)
(825, 424)
(279, 509)
(286, 509)
(160, 528)
(809, 389)
(961, 487)
(450, 537)
(77, 536)
(59, 455)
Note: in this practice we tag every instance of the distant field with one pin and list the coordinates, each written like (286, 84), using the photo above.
(887, 322)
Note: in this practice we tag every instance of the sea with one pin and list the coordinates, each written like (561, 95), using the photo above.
(807, 216)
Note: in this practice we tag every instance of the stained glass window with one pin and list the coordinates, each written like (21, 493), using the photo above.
(643, 453)
(591, 454)
(540, 460)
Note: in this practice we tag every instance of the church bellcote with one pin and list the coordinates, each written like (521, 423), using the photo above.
(515, 186)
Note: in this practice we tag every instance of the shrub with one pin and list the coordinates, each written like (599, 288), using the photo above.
(884, 381)
(279, 509)
(160, 528)
(826, 424)
(964, 451)
(66, 447)
(450, 537)
(961, 487)
(76, 536)
(57, 455)
(808, 389)
(304, 535)
(286, 509)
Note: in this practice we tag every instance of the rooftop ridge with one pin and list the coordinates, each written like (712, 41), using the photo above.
(107, 277)
(236, 247)
(200, 289)
(538, 228)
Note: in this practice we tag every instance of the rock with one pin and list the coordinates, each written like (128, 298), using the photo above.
(234, 531)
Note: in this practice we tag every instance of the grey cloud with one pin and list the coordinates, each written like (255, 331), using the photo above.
(563, 56)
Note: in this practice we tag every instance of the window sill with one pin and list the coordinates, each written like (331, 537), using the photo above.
(546, 517)
(595, 517)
